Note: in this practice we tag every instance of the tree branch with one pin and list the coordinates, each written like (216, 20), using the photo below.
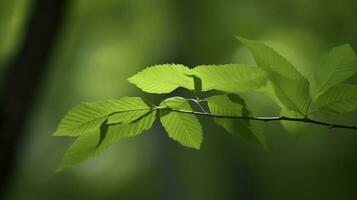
(276, 118)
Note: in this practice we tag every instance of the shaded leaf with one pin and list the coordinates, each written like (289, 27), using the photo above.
(83, 148)
(292, 127)
(338, 65)
(289, 85)
(197, 82)
(233, 105)
(341, 98)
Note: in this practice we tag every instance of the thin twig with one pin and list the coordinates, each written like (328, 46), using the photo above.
(280, 118)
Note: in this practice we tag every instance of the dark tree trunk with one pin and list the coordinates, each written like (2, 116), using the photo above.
(22, 79)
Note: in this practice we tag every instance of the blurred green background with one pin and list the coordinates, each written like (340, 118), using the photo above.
(102, 43)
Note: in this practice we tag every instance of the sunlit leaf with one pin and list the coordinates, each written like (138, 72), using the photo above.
(231, 77)
(163, 78)
(126, 116)
(118, 131)
(181, 127)
(88, 117)
(91, 144)
(228, 105)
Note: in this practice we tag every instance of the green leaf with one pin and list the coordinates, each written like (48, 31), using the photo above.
(290, 86)
(292, 127)
(83, 148)
(115, 132)
(181, 127)
(338, 65)
(231, 77)
(228, 105)
(341, 98)
(269, 91)
(163, 78)
(88, 117)
(126, 116)
(91, 144)
(233, 105)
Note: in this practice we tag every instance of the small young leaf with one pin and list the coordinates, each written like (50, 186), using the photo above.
(231, 77)
(338, 65)
(88, 117)
(340, 98)
(91, 144)
(290, 86)
(233, 105)
(181, 127)
(163, 78)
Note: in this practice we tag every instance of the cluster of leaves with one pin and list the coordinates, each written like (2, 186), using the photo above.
(97, 125)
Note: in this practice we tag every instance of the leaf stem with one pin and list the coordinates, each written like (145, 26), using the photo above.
(197, 101)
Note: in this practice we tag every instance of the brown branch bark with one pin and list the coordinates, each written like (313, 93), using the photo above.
(22, 79)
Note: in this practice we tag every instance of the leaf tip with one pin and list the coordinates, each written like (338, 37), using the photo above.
(196, 146)
(57, 133)
(131, 79)
(266, 149)
(242, 39)
(60, 168)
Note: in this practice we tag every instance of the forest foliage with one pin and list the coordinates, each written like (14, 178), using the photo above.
(97, 125)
